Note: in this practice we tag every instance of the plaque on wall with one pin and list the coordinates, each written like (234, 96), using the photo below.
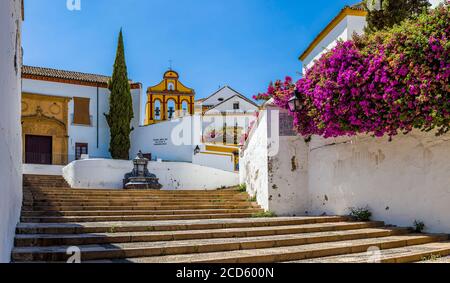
(160, 141)
(287, 125)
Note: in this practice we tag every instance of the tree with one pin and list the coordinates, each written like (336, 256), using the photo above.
(121, 107)
(384, 14)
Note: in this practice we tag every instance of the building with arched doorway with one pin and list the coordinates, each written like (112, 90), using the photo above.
(168, 100)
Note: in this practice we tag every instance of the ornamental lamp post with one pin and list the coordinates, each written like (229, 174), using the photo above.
(294, 103)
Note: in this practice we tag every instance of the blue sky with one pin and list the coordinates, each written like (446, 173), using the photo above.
(241, 43)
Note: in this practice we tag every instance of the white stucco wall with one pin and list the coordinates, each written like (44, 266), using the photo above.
(36, 169)
(97, 139)
(253, 163)
(276, 167)
(343, 31)
(227, 106)
(170, 141)
(223, 94)
(400, 181)
(108, 174)
(10, 127)
(222, 162)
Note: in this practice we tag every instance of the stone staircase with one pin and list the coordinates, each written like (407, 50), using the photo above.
(198, 226)
(44, 181)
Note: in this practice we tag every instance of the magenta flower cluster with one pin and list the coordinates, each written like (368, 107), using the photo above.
(385, 83)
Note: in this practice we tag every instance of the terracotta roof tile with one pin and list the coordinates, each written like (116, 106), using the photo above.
(65, 75)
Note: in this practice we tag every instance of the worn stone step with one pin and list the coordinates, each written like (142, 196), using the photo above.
(434, 258)
(140, 198)
(139, 207)
(79, 219)
(136, 212)
(111, 238)
(133, 203)
(145, 249)
(288, 253)
(398, 255)
(146, 226)
(103, 192)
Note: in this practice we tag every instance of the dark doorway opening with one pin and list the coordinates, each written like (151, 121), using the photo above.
(38, 150)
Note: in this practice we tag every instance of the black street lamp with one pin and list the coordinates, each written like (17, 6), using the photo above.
(294, 103)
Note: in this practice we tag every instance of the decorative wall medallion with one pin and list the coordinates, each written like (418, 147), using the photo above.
(24, 106)
(55, 109)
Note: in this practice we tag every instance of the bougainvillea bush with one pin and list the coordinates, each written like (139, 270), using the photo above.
(385, 83)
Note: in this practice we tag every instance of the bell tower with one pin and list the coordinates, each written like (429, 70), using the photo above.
(168, 100)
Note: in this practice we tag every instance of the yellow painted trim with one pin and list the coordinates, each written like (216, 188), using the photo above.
(221, 149)
(344, 13)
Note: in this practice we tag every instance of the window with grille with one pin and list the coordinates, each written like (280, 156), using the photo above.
(80, 149)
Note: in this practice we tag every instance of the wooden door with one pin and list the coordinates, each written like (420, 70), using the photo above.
(38, 150)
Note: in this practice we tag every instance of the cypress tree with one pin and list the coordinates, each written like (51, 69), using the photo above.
(121, 107)
(392, 12)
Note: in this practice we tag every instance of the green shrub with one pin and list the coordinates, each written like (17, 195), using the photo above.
(265, 214)
(419, 226)
(242, 188)
(360, 214)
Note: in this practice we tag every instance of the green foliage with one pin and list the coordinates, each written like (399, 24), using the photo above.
(392, 12)
(419, 226)
(360, 214)
(432, 257)
(121, 107)
(253, 198)
(242, 188)
(265, 214)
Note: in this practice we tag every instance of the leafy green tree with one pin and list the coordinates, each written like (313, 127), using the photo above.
(384, 14)
(121, 107)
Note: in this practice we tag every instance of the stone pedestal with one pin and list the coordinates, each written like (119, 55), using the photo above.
(140, 178)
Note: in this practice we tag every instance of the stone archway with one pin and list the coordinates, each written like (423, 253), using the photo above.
(44, 116)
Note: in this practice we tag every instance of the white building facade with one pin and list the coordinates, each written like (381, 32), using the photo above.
(84, 98)
(11, 15)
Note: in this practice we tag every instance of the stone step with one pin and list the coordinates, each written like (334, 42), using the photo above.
(287, 253)
(436, 258)
(133, 203)
(112, 238)
(147, 226)
(140, 207)
(103, 192)
(136, 212)
(398, 255)
(146, 249)
(141, 198)
(137, 217)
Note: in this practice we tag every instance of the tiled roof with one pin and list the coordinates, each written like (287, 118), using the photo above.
(38, 72)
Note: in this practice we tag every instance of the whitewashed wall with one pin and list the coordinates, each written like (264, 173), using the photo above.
(108, 174)
(254, 169)
(400, 181)
(170, 141)
(275, 168)
(97, 140)
(227, 106)
(36, 169)
(222, 162)
(343, 31)
(10, 127)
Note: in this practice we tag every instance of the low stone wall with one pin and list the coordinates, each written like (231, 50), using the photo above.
(35, 169)
(401, 181)
(108, 174)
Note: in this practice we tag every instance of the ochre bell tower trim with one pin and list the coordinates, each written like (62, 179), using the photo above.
(169, 99)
